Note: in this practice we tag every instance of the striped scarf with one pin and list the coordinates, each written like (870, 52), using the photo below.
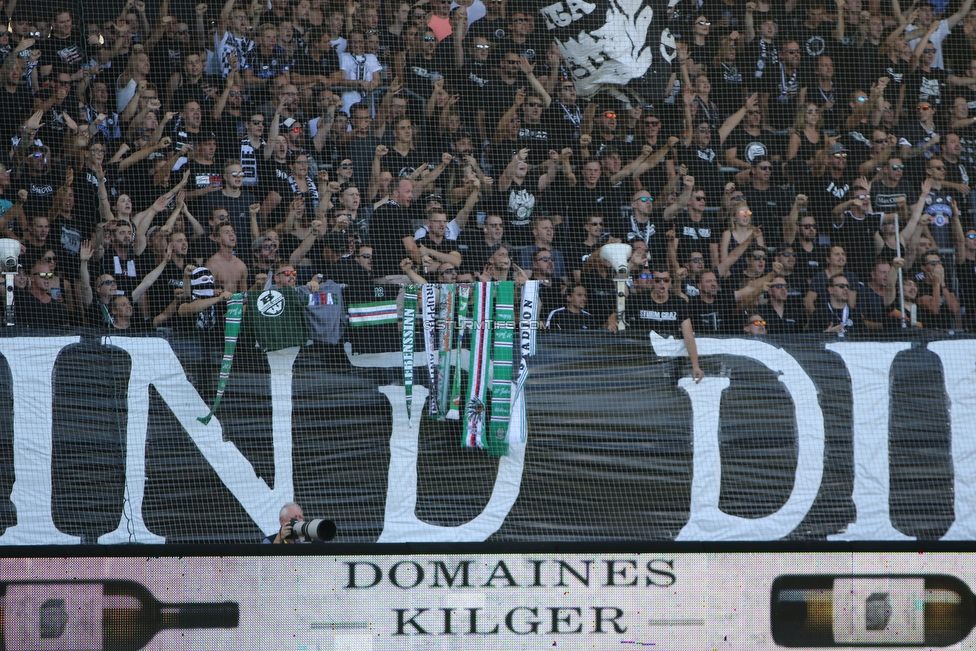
(232, 328)
(501, 385)
(454, 411)
(428, 304)
(409, 318)
(480, 359)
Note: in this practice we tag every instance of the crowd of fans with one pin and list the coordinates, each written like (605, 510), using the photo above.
(805, 169)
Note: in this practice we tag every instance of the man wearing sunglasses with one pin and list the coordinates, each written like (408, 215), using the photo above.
(35, 308)
(783, 314)
(836, 315)
(919, 140)
(755, 324)
(890, 185)
(660, 311)
(829, 183)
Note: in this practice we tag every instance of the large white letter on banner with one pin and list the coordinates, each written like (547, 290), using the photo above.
(959, 366)
(869, 364)
(31, 361)
(707, 521)
(153, 362)
(400, 522)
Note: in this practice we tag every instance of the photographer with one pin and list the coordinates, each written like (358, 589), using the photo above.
(288, 512)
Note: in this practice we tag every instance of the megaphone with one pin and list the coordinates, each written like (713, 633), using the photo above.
(618, 255)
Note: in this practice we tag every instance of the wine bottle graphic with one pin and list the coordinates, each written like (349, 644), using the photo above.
(95, 615)
(871, 610)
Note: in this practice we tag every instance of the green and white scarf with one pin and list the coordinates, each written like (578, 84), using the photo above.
(428, 304)
(232, 328)
(454, 412)
(528, 326)
(409, 317)
(480, 359)
(501, 385)
(445, 337)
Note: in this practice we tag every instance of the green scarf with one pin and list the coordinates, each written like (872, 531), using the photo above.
(232, 328)
(496, 443)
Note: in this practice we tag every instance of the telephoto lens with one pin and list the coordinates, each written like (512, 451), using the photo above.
(314, 530)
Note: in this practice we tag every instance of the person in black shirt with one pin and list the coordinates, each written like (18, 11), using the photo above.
(35, 308)
(658, 311)
(714, 310)
(391, 233)
(784, 314)
(835, 315)
(573, 316)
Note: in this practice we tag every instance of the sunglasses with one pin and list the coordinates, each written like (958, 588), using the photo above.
(610, 115)
(107, 282)
(752, 112)
(862, 99)
(429, 39)
(808, 225)
(296, 130)
(923, 107)
(645, 199)
(482, 46)
(862, 197)
(234, 93)
(346, 166)
(365, 256)
(600, 224)
(454, 271)
(696, 260)
(703, 22)
(237, 175)
(812, 111)
(758, 323)
(786, 254)
(840, 155)
(257, 122)
(49, 274)
(646, 276)
(765, 168)
(288, 273)
(534, 104)
(971, 236)
(928, 50)
(662, 280)
(897, 167)
(779, 285)
(568, 87)
(269, 247)
(700, 198)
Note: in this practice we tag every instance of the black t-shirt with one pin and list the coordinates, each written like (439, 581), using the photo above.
(925, 86)
(719, 317)
(401, 166)
(857, 238)
(644, 314)
(308, 66)
(790, 323)
(517, 205)
(163, 292)
(474, 250)
(885, 199)
(33, 313)
(473, 83)
(826, 315)
(826, 192)
(68, 51)
(696, 236)
(748, 146)
(564, 320)
(388, 227)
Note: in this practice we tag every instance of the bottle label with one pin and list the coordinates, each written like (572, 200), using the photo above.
(52, 617)
(879, 610)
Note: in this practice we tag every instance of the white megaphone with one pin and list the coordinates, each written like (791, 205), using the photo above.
(618, 255)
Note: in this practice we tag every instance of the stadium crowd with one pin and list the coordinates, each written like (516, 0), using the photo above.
(806, 164)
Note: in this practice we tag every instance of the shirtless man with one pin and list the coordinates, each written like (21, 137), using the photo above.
(228, 271)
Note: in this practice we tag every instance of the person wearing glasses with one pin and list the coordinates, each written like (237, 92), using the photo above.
(855, 226)
(957, 170)
(836, 315)
(652, 307)
(35, 307)
(830, 182)
(890, 185)
(435, 249)
(939, 203)
(820, 283)
(755, 324)
(939, 306)
(783, 313)
(920, 140)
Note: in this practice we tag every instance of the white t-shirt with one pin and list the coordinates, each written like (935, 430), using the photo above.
(936, 39)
